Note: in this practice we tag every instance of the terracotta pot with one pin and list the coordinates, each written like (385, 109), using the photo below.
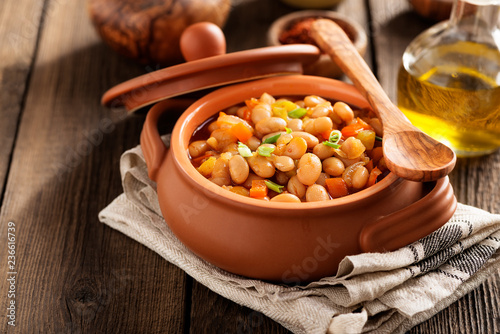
(287, 242)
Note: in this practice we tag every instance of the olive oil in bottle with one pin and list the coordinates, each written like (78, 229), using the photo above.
(449, 86)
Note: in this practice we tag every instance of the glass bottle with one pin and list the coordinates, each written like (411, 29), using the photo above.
(449, 81)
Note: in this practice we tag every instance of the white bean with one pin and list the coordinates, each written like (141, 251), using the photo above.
(295, 124)
(284, 163)
(296, 148)
(309, 138)
(197, 148)
(308, 169)
(316, 193)
(360, 177)
(270, 124)
(238, 169)
(261, 166)
(343, 111)
(289, 198)
(260, 111)
(333, 166)
(295, 187)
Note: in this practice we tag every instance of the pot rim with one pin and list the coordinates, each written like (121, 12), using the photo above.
(226, 97)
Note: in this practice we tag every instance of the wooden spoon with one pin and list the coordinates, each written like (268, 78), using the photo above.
(409, 153)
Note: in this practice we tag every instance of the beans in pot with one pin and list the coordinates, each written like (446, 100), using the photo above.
(293, 149)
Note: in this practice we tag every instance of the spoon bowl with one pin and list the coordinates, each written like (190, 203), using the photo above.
(409, 153)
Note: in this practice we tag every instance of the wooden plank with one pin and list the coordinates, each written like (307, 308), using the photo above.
(248, 23)
(211, 313)
(74, 273)
(474, 181)
(19, 23)
(357, 11)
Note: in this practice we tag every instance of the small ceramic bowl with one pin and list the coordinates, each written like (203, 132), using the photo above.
(324, 66)
(316, 4)
(285, 242)
(436, 10)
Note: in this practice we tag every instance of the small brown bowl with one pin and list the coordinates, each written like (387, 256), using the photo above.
(286, 242)
(317, 4)
(436, 10)
(324, 66)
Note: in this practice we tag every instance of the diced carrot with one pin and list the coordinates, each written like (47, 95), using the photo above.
(369, 165)
(251, 103)
(259, 189)
(372, 179)
(353, 129)
(365, 125)
(326, 134)
(247, 115)
(240, 131)
(337, 187)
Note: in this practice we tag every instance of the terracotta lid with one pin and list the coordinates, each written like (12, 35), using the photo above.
(214, 70)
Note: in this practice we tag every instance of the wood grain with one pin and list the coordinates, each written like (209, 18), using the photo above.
(19, 27)
(474, 180)
(76, 275)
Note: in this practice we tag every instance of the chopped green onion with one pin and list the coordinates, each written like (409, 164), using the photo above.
(271, 140)
(265, 151)
(288, 130)
(273, 186)
(243, 150)
(327, 143)
(335, 136)
(297, 113)
(378, 138)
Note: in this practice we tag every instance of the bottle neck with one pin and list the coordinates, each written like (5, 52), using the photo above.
(475, 17)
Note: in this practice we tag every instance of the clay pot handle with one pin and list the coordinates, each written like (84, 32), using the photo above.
(152, 145)
(412, 223)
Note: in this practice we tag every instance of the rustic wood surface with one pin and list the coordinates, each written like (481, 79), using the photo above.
(59, 167)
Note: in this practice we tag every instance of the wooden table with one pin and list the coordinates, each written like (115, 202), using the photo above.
(60, 166)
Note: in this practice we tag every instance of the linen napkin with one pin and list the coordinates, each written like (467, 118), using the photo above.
(372, 292)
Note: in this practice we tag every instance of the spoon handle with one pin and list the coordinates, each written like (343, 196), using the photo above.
(332, 39)
(408, 152)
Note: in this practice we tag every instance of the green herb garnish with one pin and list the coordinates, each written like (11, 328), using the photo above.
(334, 138)
(288, 130)
(327, 143)
(265, 151)
(274, 187)
(378, 138)
(244, 150)
(272, 139)
(297, 113)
